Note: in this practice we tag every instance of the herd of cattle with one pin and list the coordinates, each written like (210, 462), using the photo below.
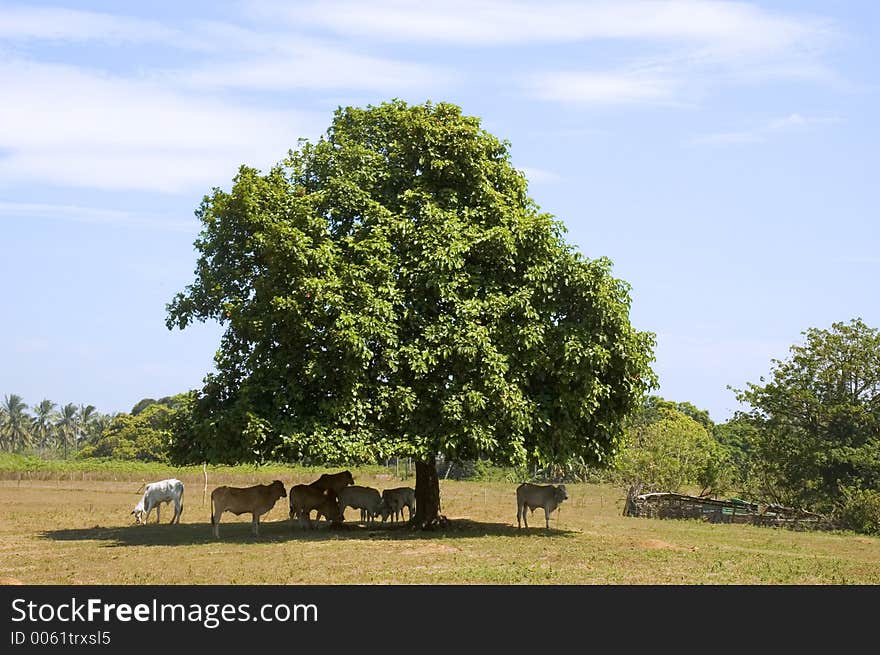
(328, 496)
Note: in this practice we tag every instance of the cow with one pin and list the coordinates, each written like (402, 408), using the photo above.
(532, 496)
(256, 501)
(365, 499)
(304, 498)
(394, 500)
(333, 481)
(156, 493)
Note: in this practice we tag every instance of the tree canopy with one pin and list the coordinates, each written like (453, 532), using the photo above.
(817, 419)
(668, 447)
(392, 289)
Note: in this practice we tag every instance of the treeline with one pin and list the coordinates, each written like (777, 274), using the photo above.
(811, 438)
(66, 431)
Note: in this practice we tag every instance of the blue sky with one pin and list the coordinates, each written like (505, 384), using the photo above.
(724, 155)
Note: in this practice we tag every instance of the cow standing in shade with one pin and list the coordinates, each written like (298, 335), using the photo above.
(532, 496)
(334, 482)
(366, 499)
(394, 500)
(304, 499)
(256, 501)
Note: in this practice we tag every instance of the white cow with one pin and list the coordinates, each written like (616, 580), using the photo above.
(156, 493)
(366, 499)
(532, 496)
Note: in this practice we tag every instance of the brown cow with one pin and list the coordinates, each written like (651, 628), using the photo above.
(335, 482)
(256, 501)
(304, 498)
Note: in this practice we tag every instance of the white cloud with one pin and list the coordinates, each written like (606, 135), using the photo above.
(763, 132)
(311, 65)
(680, 48)
(101, 215)
(23, 23)
(602, 87)
(732, 27)
(68, 126)
(798, 120)
(539, 175)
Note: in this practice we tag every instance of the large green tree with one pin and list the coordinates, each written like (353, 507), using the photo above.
(391, 289)
(817, 420)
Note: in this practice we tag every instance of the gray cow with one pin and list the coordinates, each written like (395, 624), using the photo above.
(394, 500)
(532, 496)
(366, 499)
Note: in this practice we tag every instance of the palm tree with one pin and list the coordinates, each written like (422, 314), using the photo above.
(3, 421)
(42, 427)
(67, 426)
(87, 416)
(17, 424)
(98, 424)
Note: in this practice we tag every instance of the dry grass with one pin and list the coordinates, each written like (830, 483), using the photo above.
(80, 532)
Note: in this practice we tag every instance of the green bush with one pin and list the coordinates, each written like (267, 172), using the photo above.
(144, 437)
(673, 451)
(858, 510)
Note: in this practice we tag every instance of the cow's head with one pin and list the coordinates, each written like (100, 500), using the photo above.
(278, 486)
(348, 477)
(138, 513)
(559, 493)
(385, 510)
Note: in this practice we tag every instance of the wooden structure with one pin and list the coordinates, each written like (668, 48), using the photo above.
(663, 505)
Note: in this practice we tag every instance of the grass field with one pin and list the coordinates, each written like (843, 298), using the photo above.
(68, 525)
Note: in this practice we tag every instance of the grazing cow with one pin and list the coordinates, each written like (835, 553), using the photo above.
(394, 500)
(256, 501)
(156, 493)
(533, 496)
(365, 499)
(333, 481)
(304, 498)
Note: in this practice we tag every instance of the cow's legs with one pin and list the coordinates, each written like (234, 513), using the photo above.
(158, 507)
(547, 518)
(255, 524)
(521, 513)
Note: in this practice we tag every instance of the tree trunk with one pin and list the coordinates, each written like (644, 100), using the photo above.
(427, 496)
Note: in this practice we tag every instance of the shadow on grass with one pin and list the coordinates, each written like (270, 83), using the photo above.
(282, 531)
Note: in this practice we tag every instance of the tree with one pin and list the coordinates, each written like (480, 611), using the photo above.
(66, 426)
(141, 405)
(16, 428)
(392, 290)
(817, 420)
(44, 417)
(666, 449)
(738, 435)
(144, 436)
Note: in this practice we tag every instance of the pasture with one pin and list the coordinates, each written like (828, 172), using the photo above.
(74, 527)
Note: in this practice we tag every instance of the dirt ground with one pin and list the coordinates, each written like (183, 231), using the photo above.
(80, 531)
